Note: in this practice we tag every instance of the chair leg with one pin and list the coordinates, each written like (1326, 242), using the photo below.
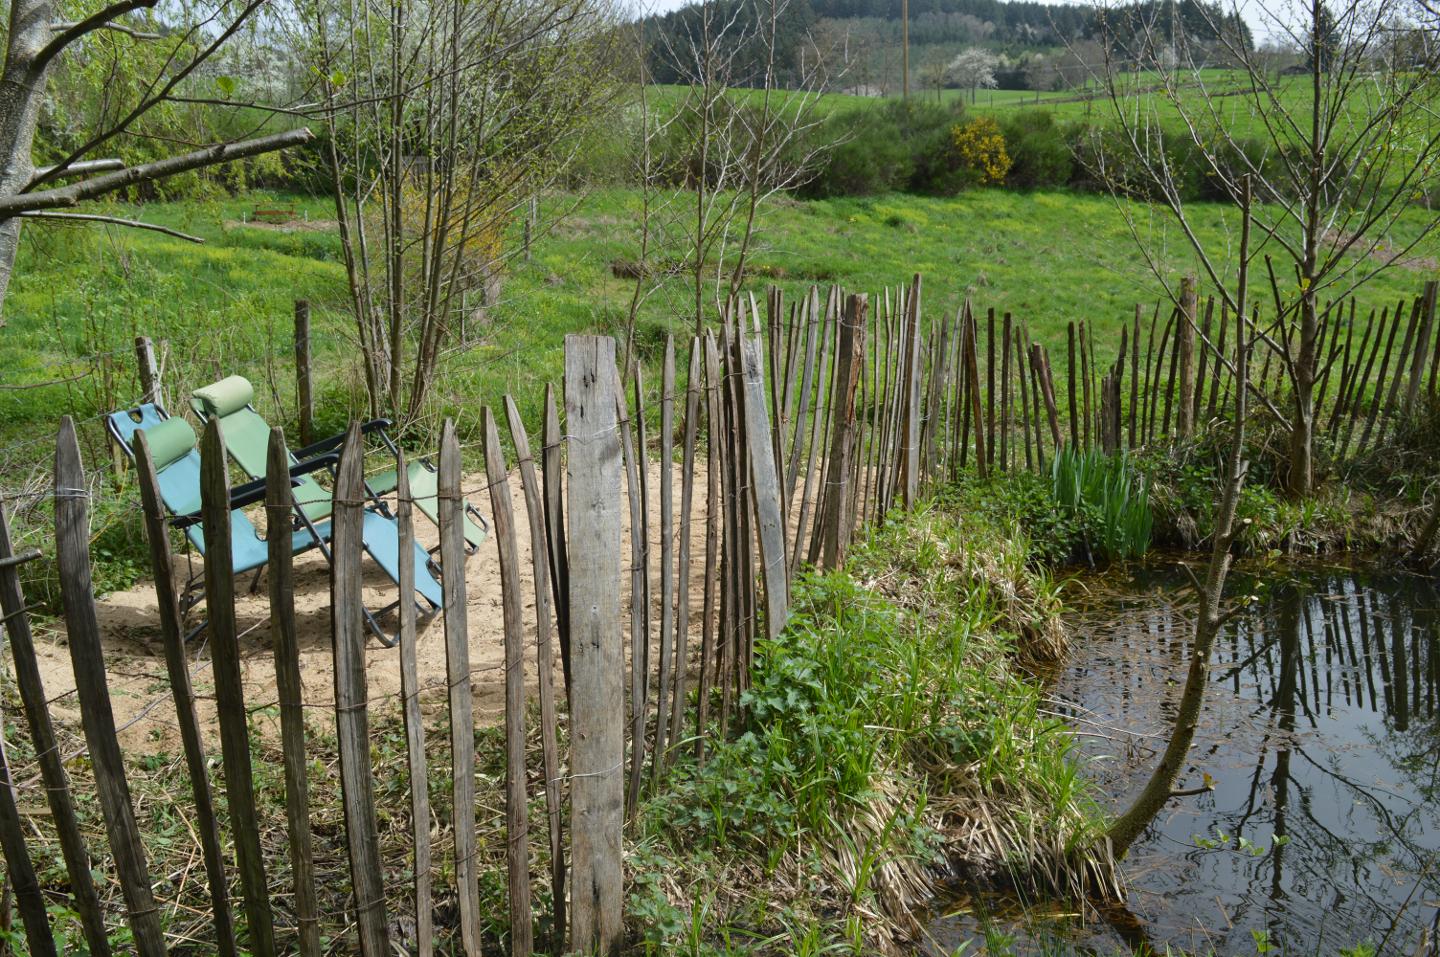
(255, 582)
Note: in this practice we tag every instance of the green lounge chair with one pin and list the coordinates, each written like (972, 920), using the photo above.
(177, 464)
(247, 436)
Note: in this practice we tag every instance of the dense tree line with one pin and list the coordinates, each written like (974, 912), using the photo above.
(865, 32)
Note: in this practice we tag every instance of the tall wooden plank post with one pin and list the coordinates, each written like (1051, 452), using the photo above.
(1185, 350)
(352, 724)
(597, 738)
(304, 397)
(764, 484)
(77, 597)
(909, 463)
(838, 521)
(47, 752)
(229, 688)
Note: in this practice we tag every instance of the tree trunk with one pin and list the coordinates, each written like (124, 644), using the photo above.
(22, 89)
(1301, 480)
(1158, 791)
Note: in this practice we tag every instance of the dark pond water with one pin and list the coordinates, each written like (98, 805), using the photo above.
(1320, 733)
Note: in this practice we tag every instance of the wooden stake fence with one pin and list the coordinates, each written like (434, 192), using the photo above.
(799, 427)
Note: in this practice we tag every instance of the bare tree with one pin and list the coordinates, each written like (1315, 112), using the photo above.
(443, 119)
(974, 68)
(1211, 617)
(1336, 155)
(41, 33)
(744, 135)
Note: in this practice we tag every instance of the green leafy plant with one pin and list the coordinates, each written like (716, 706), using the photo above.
(1110, 502)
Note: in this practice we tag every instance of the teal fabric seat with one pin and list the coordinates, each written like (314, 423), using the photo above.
(177, 469)
(425, 493)
(177, 463)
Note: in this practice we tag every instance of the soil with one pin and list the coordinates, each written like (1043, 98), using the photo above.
(140, 691)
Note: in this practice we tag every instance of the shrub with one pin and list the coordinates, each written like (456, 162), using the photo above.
(980, 151)
(1040, 156)
(882, 148)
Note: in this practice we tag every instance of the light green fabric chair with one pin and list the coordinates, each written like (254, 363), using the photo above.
(247, 437)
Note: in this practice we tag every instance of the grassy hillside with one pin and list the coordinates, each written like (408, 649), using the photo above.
(80, 297)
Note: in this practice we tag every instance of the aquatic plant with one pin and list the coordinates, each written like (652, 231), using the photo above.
(1110, 504)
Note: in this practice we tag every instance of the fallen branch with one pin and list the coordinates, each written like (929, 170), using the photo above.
(111, 220)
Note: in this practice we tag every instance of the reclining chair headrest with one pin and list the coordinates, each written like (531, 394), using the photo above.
(219, 399)
(169, 441)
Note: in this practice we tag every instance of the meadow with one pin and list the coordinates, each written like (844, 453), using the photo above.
(81, 296)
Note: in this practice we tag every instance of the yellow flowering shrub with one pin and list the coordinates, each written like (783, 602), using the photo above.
(980, 150)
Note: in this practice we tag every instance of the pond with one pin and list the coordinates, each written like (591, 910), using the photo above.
(1320, 736)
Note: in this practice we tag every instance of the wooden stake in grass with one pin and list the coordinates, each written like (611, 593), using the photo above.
(838, 520)
(352, 723)
(559, 561)
(545, 666)
(639, 575)
(451, 506)
(597, 745)
(667, 546)
(410, 705)
(1185, 357)
(517, 821)
(177, 669)
(229, 688)
(687, 498)
(47, 750)
(713, 571)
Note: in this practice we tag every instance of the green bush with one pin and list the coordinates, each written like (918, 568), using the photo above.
(1040, 155)
(896, 145)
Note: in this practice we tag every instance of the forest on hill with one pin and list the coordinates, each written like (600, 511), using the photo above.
(859, 41)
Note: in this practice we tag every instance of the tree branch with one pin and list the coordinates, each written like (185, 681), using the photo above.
(112, 220)
(117, 27)
(70, 32)
(109, 182)
(83, 168)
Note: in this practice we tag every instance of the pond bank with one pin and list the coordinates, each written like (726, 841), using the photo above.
(894, 738)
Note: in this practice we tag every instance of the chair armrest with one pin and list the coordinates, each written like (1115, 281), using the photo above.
(335, 441)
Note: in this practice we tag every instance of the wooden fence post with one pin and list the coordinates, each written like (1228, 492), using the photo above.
(838, 522)
(1422, 345)
(149, 371)
(451, 505)
(304, 397)
(178, 670)
(597, 742)
(47, 750)
(545, 665)
(667, 550)
(352, 724)
(416, 761)
(517, 821)
(764, 484)
(687, 498)
(550, 468)
(72, 546)
(1185, 334)
(19, 868)
(909, 462)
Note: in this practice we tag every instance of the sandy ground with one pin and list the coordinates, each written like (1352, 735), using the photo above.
(140, 690)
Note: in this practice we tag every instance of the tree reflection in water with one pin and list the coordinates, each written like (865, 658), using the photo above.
(1321, 735)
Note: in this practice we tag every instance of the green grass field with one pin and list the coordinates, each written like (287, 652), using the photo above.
(225, 307)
